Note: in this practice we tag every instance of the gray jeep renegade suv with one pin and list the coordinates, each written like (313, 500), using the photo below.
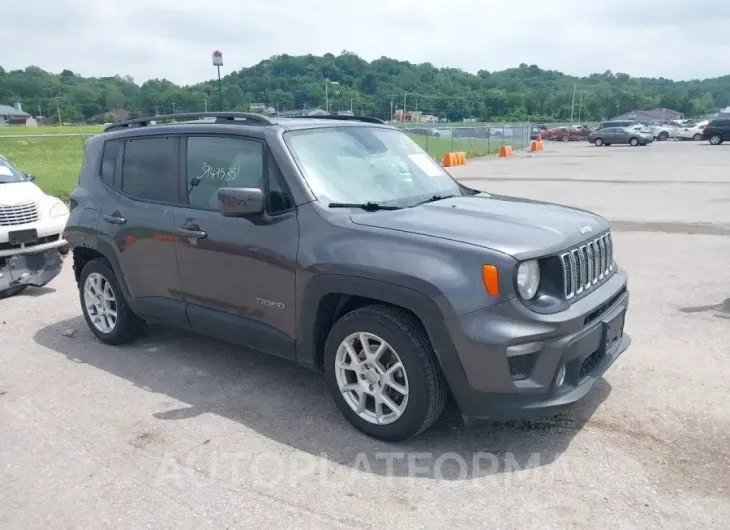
(341, 245)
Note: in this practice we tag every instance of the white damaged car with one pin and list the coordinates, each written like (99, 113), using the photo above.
(31, 228)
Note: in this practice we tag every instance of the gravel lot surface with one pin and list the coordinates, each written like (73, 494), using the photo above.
(177, 431)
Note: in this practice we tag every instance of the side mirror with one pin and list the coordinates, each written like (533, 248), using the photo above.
(30, 177)
(241, 202)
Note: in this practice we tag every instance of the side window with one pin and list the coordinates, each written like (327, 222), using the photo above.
(219, 162)
(149, 169)
(109, 162)
(279, 199)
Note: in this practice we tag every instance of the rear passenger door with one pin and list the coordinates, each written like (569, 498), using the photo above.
(239, 274)
(138, 222)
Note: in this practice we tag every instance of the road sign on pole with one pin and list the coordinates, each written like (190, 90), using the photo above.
(218, 62)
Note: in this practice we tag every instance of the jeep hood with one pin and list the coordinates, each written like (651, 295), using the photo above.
(521, 228)
(14, 193)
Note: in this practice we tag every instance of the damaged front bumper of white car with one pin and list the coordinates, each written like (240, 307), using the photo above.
(31, 257)
(30, 269)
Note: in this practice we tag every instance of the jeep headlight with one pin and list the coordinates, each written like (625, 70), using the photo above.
(528, 279)
(59, 210)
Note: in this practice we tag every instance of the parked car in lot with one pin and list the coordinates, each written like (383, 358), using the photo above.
(717, 131)
(616, 123)
(644, 130)
(338, 243)
(619, 135)
(693, 132)
(663, 132)
(568, 134)
(31, 227)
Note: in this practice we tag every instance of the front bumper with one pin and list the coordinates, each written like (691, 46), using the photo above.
(30, 269)
(500, 386)
(48, 230)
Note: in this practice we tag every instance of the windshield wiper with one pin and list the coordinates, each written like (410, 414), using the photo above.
(433, 198)
(367, 206)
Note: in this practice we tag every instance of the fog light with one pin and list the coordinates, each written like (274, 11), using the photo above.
(560, 378)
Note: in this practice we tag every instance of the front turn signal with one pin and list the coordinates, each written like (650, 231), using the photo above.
(490, 275)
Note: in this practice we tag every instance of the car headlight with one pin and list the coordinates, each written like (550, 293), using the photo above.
(59, 210)
(528, 279)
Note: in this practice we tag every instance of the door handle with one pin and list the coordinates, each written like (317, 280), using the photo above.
(196, 234)
(115, 218)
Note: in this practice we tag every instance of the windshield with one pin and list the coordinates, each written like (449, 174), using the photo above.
(9, 173)
(368, 164)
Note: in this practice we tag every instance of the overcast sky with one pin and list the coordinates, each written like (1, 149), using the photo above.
(174, 39)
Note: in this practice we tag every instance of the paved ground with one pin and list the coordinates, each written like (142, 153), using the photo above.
(178, 431)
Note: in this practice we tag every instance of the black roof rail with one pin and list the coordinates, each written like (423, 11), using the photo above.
(220, 117)
(364, 119)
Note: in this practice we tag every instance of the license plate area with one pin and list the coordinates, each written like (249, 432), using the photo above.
(613, 331)
(18, 237)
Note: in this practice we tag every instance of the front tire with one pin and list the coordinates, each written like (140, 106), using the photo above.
(634, 142)
(663, 136)
(382, 373)
(598, 142)
(697, 137)
(104, 307)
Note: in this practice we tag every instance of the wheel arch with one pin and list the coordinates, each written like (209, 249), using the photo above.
(329, 296)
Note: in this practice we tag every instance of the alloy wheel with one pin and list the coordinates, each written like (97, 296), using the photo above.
(100, 302)
(372, 379)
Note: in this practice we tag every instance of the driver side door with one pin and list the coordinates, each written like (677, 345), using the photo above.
(237, 274)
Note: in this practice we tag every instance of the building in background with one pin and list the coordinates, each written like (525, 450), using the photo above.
(12, 115)
(415, 116)
(649, 116)
(262, 108)
(298, 113)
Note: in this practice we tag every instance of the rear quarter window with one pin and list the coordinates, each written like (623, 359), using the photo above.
(109, 162)
(149, 169)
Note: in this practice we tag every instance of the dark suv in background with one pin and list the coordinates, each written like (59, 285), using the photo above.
(341, 245)
(717, 131)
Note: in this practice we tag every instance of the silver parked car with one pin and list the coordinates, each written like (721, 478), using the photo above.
(619, 135)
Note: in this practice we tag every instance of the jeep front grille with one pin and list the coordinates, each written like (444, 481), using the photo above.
(586, 266)
(19, 214)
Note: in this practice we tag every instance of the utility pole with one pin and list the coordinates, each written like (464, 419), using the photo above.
(205, 102)
(173, 107)
(580, 105)
(157, 110)
(572, 105)
(391, 106)
(40, 112)
(405, 94)
(58, 111)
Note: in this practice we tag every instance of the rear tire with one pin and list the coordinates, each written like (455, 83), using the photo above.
(349, 379)
(697, 137)
(566, 138)
(97, 277)
(715, 139)
(663, 136)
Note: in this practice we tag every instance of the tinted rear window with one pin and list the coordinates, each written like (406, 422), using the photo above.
(109, 162)
(149, 169)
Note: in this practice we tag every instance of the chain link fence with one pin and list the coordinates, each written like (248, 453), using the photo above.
(55, 159)
(477, 140)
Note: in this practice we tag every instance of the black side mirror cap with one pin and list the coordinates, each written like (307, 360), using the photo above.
(241, 202)
(30, 177)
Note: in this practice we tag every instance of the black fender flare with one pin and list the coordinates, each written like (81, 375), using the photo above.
(418, 303)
